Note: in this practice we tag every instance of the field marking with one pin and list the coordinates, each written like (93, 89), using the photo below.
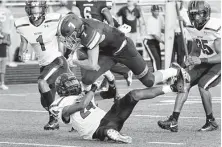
(135, 115)
(36, 144)
(168, 143)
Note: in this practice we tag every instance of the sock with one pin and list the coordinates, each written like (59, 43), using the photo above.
(109, 76)
(167, 89)
(210, 116)
(86, 87)
(48, 98)
(176, 115)
(167, 73)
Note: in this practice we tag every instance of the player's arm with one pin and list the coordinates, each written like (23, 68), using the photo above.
(216, 58)
(105, 11)
(92, 62)
(23, 46)
(194, 50)
(71, 109)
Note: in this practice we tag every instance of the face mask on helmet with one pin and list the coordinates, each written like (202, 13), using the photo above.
(35, 10)
(199, 13)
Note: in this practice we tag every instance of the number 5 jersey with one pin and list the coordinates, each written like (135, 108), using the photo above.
(42, 38)
(205, 37)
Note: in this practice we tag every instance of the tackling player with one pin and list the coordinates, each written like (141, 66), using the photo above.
(115, 46)
(206, 59)
(78, 109)
(39, 29)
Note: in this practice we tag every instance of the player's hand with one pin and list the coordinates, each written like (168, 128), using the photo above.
(24, 56)
(124, 28)
(194, 60)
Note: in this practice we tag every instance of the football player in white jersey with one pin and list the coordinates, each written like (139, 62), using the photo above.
(39, 29)
(206, 59)
(78, 109)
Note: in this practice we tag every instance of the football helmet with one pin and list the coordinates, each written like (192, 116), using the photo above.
(67, 84)
(35, 9)
(69, 30)
(199, 13)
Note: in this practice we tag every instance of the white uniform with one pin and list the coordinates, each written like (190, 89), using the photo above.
(86, 121)
(42, 38)
(206, 36)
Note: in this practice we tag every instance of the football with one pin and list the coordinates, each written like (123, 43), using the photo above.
(82, 54)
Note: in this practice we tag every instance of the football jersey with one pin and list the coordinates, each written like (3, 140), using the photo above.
(43, 38)
(108, 38)
(205, 37)
(92, 8)
(6, 18)
(85, 121)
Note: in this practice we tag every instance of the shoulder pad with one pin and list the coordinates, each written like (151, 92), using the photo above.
(213, 24)
(21, 22)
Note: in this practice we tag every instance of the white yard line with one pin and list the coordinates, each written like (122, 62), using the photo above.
(36, 144)
(167, 143)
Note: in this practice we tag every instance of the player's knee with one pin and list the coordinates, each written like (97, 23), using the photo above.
(148, 79)
(42, 85)
(87, 80)
(133, 95)
(202, 87)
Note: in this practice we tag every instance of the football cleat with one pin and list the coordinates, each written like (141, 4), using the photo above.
(116, 136)
(129, 79)
(53, 124)
(210, 125)
(111, 93)
(183, 78)
(169, 124)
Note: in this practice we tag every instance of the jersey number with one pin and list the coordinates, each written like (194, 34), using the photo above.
(40, 41)
(87, 112)
(86, 12)
(202, 44)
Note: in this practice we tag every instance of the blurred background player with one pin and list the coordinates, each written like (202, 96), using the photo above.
(39, 28)
(7, 21)
(206, 59)
(155, 26)
(5, 41)
(78, 109)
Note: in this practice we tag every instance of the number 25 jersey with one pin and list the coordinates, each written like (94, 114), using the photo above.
(205, 37)
(42, 38)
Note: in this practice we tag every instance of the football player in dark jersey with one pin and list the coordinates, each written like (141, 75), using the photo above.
(97, 36)
(206, 59)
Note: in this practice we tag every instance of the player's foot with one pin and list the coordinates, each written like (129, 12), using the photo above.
(210, 125)
(116, 136)
(183, 78)
(129, 78)
(53, 124)
(12, 64)
(169, 124)
(104, 85)
(4, 87)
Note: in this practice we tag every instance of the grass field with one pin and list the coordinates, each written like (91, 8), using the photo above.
(22, 119)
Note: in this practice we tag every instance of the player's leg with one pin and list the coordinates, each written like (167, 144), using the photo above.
(210, 79)
(130, 57)
(113, 121)
(172, 122)
(46, 81)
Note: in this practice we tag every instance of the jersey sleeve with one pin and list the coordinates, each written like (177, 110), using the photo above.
(20, 24)
(90, 38)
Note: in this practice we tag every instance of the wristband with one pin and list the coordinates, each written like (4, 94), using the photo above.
(204, 60)
(93, 88)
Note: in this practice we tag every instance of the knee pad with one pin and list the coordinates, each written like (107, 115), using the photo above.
(43, 85)
(129, 99)
(148, 79)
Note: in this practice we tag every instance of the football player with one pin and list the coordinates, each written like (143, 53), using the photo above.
(100, 10)
(114, 48)
(39, 29)
(206, 59)
(78, 109)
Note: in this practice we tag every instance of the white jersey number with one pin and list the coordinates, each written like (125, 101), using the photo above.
(40, 41)
(84, 114)
(87, 14)
(202, 44)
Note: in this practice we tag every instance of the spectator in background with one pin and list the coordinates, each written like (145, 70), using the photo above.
(131, 16)
(155, 25)
(178, 47)
(7, 21)
(4, 43)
